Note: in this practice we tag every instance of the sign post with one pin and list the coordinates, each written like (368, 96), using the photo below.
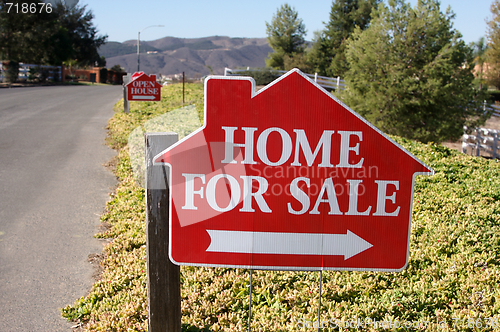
(164, 297)
(288, 178)
(126, 79)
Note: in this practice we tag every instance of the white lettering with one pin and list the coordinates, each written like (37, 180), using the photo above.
(345, 148)
(301, 141)
(235, 192)
(331, 198)
(353, 199)
(230, 145)
(262, 146)
(382, 198)
(189, 194)
(248, 194)
(299, 195)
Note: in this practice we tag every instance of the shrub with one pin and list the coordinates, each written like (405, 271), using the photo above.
(11, 75)
(262, 76)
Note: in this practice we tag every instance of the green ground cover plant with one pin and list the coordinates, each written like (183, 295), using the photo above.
(451, 282)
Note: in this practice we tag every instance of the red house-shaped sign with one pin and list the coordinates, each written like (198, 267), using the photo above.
(143, 87)
(288, 178)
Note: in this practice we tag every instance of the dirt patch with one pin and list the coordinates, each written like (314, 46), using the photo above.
(96, 261)
(111, 164)
(493, 123)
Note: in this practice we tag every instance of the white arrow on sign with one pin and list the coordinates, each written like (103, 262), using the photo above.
(143, 97)
(346, 245)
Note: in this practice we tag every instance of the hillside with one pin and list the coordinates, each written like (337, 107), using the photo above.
(112, 49)
(194, 56)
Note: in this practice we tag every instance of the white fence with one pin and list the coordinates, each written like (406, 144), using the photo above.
(24, 71)
(495, 110)
(482, 142)
(334, 83)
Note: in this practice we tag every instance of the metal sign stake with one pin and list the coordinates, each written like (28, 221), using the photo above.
(319, 305)
(250, 303)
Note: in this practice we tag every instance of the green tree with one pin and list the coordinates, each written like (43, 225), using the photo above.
(285, 34)
(48, 37)
(85, 41)
(328, 52)
(493, 52)
(70, 65)
(22, 35)
(117, 68)
(411, 74)
(479, 54)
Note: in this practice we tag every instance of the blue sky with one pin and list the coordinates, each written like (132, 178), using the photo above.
(122, 20)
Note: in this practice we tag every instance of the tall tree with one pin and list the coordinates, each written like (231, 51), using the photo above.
(82, 33)
(21, 34)
(493, 53)
(411, 74)
(285, 34)
(328, 52)
(48, 36)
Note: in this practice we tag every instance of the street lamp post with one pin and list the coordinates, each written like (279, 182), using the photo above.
(139, 41)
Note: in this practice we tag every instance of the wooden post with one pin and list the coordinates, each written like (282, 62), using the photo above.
(126, 79)
(495, 141)
(464, 143)
(164, 292)
(183, 89)
(478, 142)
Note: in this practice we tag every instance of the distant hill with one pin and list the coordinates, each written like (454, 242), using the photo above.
(194, 56)
(111, 49)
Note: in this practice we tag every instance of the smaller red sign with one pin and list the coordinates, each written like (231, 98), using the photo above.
(143, 87)
(136, 74)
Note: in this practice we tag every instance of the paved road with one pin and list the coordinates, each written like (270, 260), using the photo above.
(52, 189)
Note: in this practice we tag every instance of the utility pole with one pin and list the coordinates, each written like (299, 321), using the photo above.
(139, 42)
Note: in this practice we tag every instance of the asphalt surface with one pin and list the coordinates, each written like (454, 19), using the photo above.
(53, 187)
